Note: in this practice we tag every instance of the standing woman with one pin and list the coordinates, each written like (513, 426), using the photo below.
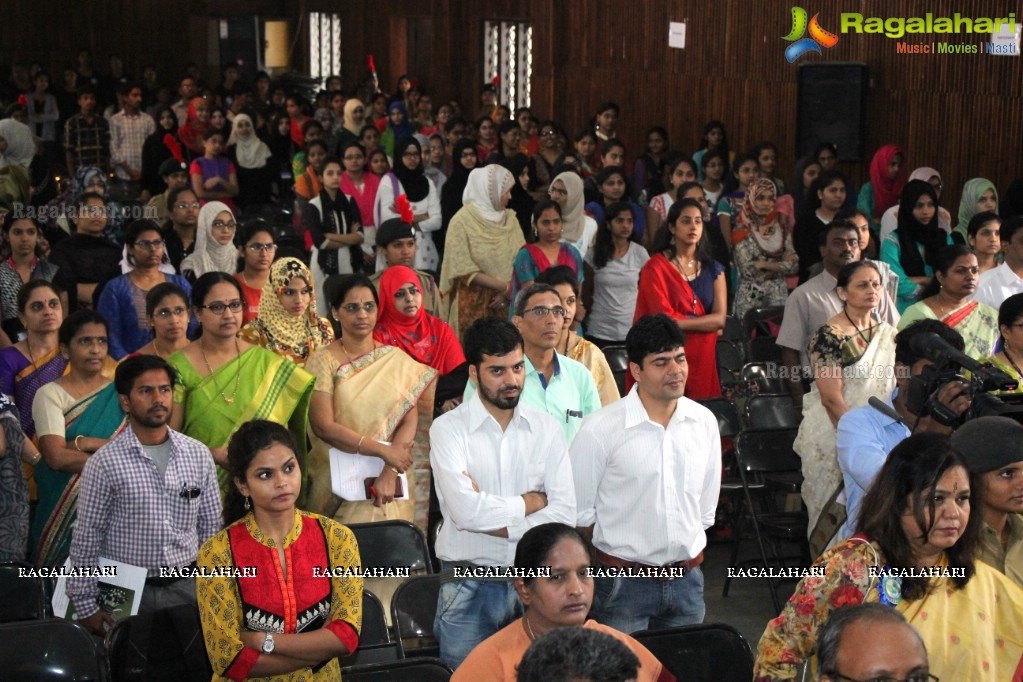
(887, 178)
(805, 172)
(486, 138)
(224, 381)
(196, 124)
(715, 138)
(334, 226)
(421, 193)
(305, 619)
(161, 145)
(463, 162)
(251, 157)
(683, 281)
(982, 235)
(359, 185)
(616, 258)
(398, 128)
(767, 158)
(354, 120)
(369, 400)
(744, 171)
(522, 202)
(712, 171)
(547, 251)
(214, 243)
(646, 173)
(979, 196)
(848, 356)
(75, 416)
(826, 199)
(577, 228)
(585, 143)
(123, 301)
(482, 242)
(912, 250)
(258, 251)
(23, 260)
(287, 322)
(541, 164)
(168, 312)
(766, 255)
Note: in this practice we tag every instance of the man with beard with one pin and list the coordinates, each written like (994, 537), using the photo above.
(148, 498)
(500, 468)
(816, 301)
(647, 475)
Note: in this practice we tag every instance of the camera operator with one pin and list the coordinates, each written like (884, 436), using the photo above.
(866, 435)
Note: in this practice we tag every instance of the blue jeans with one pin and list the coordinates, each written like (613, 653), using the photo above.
(633, 604)
(469, 611)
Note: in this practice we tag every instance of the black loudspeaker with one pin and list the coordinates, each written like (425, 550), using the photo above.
(832, 107)
(240, 44)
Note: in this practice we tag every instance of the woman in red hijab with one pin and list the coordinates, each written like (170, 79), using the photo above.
(198, 122)
(404, 322)
(887, 178)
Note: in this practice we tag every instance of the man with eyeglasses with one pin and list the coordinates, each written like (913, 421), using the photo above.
(647, 472)
(86, 258)
(558, 385)
(175, 175)
(871, 642)
(182, 222)
(396, 245)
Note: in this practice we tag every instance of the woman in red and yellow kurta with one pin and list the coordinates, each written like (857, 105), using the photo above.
(684, 282)
(284, 611)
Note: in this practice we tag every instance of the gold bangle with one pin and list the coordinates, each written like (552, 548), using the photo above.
(358, 448)
(394, 469)
(77, 446)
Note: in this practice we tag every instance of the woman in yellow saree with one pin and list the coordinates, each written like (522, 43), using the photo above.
(373, 400)
(224, 382)
(74, 416)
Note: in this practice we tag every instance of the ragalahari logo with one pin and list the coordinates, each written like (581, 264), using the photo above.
(818, 36)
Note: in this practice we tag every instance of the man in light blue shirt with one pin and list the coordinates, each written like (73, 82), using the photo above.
(560, 386)
(866, 435)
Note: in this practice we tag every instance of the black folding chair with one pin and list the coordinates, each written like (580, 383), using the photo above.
(729, 426)
(765, 376)
(730, 361)
(732, 330)
(391, 544)
(375, 645)
(413, 608)
(21, 598)
(771, 412)
(52, 649)
(762, 322)
(165, 644)
(409, 670)
(618, 359)
(711, 652)
(759, 454)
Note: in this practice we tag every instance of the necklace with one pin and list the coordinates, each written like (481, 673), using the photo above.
(345, 351)
(942, 310)
(857, 328)
(237, 377)
(683, 267)
(529, 629)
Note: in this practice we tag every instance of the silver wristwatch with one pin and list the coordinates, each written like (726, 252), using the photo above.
(268, 644)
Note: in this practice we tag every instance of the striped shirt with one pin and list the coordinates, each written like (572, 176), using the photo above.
(127, 135)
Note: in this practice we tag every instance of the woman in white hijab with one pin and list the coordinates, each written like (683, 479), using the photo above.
(17, 146)
(482, 241)
(251, 157)
(214, 243)
(578, 229)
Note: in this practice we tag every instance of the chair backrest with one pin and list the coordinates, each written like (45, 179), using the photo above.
(732, 330)
(21, 598)
(762, 322)
(53, 649)
(165, 645)
(767, 451)
(771, 412)
(413, 608)
(727, 415)
(374, 622)
(729, 356)
(618, 359)
(764, 349)
(392, 544)
(711, 652)
(410, 670)
(766, 376)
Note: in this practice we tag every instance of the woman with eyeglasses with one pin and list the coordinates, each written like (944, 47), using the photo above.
(123, 301)
(257, 253)
(287, 322)
(369, 399)
(168, 312)
(224, 380)
(74, 416)
(916, 549)
(214, 243)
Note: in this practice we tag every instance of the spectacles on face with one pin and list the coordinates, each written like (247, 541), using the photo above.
(915, 677)
(39, 306)
(262, 248)
(150, 244)
(468, 154)
(407, 292)
(221, 225)
(167, 313)
(548, 133)
(218, 307)
(354, 308)
(182, 205)
(541, 312)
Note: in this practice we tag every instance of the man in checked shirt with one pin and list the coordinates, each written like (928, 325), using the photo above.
(148, 498)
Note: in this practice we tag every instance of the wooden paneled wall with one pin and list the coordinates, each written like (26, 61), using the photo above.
(958, 113)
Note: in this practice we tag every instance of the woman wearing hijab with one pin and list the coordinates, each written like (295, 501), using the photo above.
(87, 179)
(421, 193)
(766, 255)
(913, 248)
(887, 178)
(979, 195)
(287, 322)
(483, 239)
(156, 150)
(577, 228)
(397, 129)
(251, 158)
(195, 127)
(21, 146)
(214, 243)
(354, 120)
(463, 162)
(889, 220)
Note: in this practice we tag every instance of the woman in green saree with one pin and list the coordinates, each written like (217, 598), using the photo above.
(224, 382)
(75, 416)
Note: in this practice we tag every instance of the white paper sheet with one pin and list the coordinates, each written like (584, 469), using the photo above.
(120, 593)
(348, 472)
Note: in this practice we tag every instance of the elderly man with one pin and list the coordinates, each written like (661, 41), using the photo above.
(870, 641)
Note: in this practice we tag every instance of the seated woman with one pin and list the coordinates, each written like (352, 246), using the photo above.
(570, 344)
(167, 310)
(920, 515)
(287, 322)
(22, 259)
(613, 186)
(766, 255)
(420, 192)
(890, 219)
(373, 400)
(74, 416)
(224, 381)
(912, 249)
(616, 259)
(547, 251)
(403, 322)
(848, 356)
(681, 280)
(979, 196)
(983, 236)
(258, 251)
(16, 452)
(123, 301)
(559, 600)
(947, 298)
(214, 243)
(286, 620)
(1010, 358)
(577, 228)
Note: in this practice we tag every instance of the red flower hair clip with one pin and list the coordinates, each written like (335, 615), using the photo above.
(405, 211)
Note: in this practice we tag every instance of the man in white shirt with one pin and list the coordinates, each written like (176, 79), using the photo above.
(500, 468)
(647, 475)
(1000, 283)
(129, 129)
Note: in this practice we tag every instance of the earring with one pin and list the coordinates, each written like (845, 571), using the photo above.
(673, 239)
(248, 503)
